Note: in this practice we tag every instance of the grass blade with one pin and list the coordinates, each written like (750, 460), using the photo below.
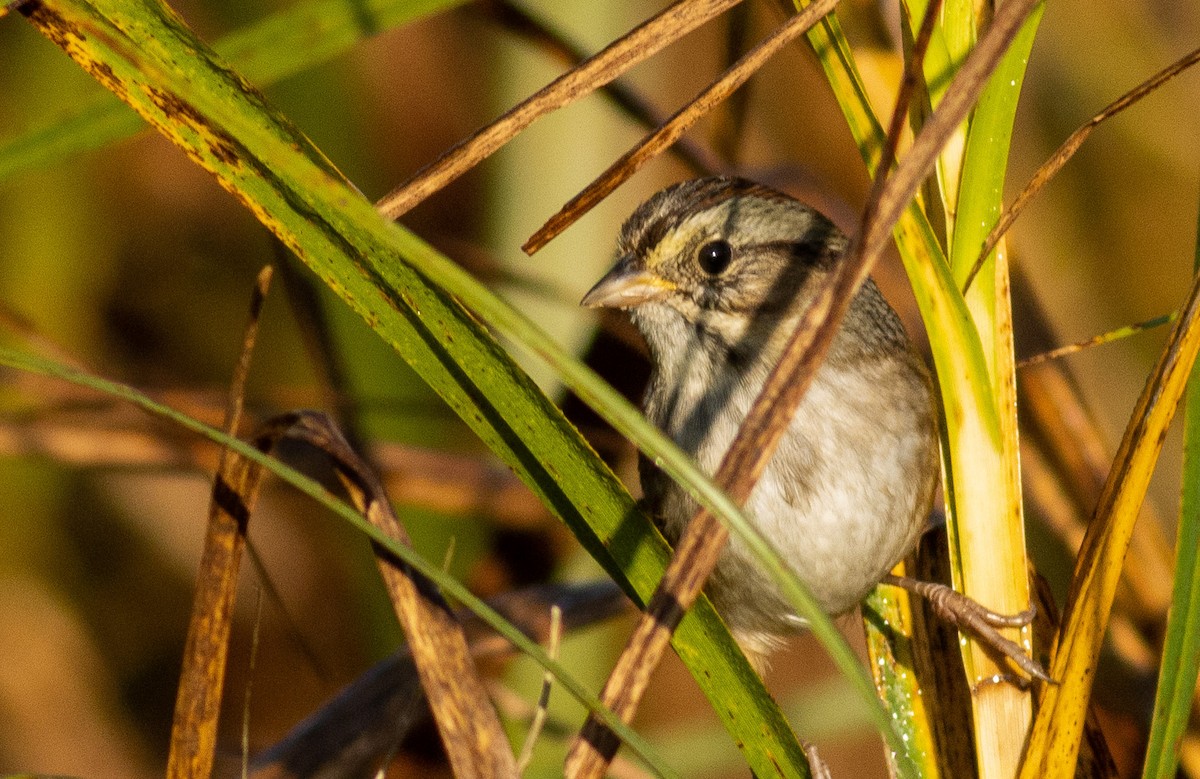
(1058, 727)
(201, 683)
(1181, 649)
(888, 620)
(990, 545)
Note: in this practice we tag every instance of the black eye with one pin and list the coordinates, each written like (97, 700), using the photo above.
(714, 257)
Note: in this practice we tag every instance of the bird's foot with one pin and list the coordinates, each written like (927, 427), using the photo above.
(973, 618)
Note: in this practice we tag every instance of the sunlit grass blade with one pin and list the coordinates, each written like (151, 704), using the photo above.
(986, 159)
(201, 680)
(888, 619)
(287, 42)
(1054, 742)
(1181, 649)
(990, 545)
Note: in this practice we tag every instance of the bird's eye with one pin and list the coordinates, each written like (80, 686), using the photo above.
(714, 257)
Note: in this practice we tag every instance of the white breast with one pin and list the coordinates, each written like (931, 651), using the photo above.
(845, 496)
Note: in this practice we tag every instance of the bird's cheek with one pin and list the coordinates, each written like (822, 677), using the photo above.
(710, 297)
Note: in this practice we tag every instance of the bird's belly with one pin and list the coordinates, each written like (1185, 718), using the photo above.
(836, 547)
(844, 498)
(853, 530)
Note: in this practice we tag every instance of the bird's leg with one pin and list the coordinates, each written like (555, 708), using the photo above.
(972, 617)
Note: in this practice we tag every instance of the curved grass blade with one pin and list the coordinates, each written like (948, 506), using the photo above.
(146, 55)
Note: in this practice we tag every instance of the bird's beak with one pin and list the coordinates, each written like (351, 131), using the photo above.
(626, 286)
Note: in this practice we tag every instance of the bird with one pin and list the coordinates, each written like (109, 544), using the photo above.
(715, 273)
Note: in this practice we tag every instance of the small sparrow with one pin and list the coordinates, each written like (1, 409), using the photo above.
(715, 274)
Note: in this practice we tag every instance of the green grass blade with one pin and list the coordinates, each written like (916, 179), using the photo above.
(981, 195)
(1180, 665)
(942, 58)
(451, 586)
(946, 51)
(287, 42)
(887, 617)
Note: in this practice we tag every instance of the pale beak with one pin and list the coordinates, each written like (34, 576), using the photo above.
(625, 287)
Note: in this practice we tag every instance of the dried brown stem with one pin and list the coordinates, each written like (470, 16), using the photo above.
(471, 733)
(1066, 151)
(517, 21)
(201, 683)
(348, 735)
(659, 140)
(640, 43)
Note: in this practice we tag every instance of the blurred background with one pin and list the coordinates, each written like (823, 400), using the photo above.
(130, 260)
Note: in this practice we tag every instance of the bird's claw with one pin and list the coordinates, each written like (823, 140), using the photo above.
(972, 617)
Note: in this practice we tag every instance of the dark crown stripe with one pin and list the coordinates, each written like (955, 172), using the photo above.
(651, 223)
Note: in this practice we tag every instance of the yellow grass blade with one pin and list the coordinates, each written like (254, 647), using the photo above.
(1054, 744)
